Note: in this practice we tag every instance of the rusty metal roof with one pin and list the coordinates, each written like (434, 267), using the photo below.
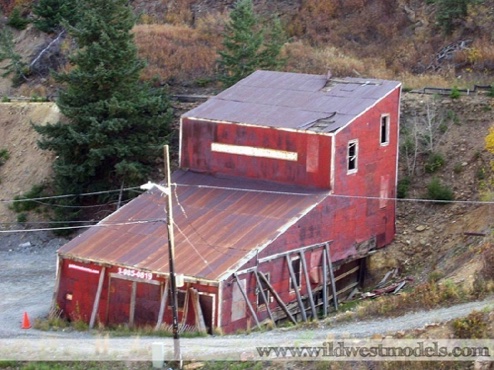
(218, 221)
(294, 101)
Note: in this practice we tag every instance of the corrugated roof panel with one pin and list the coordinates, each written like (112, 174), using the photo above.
(292, 100)
(218, 221)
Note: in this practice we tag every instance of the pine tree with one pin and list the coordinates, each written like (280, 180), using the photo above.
(244, 46)
(115, 126)
(50, 14)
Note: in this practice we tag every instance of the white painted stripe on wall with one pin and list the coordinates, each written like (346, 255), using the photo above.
(254, 151)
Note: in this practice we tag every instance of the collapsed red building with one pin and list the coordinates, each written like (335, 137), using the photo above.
(286, 183)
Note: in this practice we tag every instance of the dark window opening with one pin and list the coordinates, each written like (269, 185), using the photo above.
(352, 156)
(384, 130)
(180, 299)
(296, 271)
(264, 286)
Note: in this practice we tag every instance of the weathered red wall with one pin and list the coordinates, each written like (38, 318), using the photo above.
(114, 305)
(311, 168)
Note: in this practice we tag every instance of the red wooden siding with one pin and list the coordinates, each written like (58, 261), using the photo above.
(80, 281)
(310, 169)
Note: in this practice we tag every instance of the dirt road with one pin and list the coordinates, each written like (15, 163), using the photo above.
(27, 275)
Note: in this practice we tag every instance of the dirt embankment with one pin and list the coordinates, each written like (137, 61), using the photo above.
(27, 164)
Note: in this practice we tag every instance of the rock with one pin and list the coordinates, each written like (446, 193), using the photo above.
(420, 228)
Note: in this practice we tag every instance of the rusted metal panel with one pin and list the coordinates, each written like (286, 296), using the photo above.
(293, 100)
(218, 221)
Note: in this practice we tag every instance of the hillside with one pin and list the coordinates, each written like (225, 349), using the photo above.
(386, 39)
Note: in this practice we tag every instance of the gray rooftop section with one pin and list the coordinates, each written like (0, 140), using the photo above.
(294, 101)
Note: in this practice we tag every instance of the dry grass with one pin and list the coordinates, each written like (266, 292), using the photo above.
(179, 53)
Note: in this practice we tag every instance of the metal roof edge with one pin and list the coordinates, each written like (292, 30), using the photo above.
(397, 86)
(258, 126)
(187, 278)
(256, 251)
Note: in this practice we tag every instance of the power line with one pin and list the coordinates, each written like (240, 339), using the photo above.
(67, 195)
(82, 226)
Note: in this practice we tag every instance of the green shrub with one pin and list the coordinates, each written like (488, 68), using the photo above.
(402, 187)
(23, 204)
(474, 326)
(5, 99)
(491, 92)
(22, 217)
(434, 162)
(16, 20)
(438, 191)
(458, 168)
(455, 93)
(4, 156)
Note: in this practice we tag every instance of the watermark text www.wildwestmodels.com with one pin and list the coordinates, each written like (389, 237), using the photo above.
(385, 350)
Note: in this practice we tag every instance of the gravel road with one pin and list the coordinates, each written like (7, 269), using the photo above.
(27, 275)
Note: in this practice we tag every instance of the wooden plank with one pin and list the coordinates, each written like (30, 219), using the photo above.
(53, 310)
(344, 275)
(324, 285)
(266, 302)
(132, 304)
(253, 313)
(97, 298)
(297, 290)
(277, 297)
(309, 289)
(199, 317)
(130, 278)
(331, 276)
(164, 297)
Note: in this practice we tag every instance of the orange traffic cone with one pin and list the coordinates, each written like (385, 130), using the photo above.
(26, 324)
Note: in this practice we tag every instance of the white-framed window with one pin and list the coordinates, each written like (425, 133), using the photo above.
(384, 130)
(295, 261)
(267, 294)
(352, 157)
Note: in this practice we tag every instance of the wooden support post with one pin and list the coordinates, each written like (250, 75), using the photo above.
(57, 286)
(297, 288)
(277, 297)
(97, 298)
(265, 299)
(132, 304)
(164, 296)
(244, 293)
(324, 284)
(309, 289)
(200, 323)
(331, 276)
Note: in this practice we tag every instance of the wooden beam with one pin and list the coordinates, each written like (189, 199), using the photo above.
(200, 323)
(309, 289)
(266, 301)
(331, 276)
(297, 288)
(97, 297)
(57, 286)
(277, 297)
(251, 309)
(324, 285)
(132, 304)
(164, 297)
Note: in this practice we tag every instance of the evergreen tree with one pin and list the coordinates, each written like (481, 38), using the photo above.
(16, 67)
(449, 12)
(244, 46)
(115, 126)
(50, 14)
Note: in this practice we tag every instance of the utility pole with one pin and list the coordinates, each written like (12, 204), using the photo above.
(167, 191)
(171, 259)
